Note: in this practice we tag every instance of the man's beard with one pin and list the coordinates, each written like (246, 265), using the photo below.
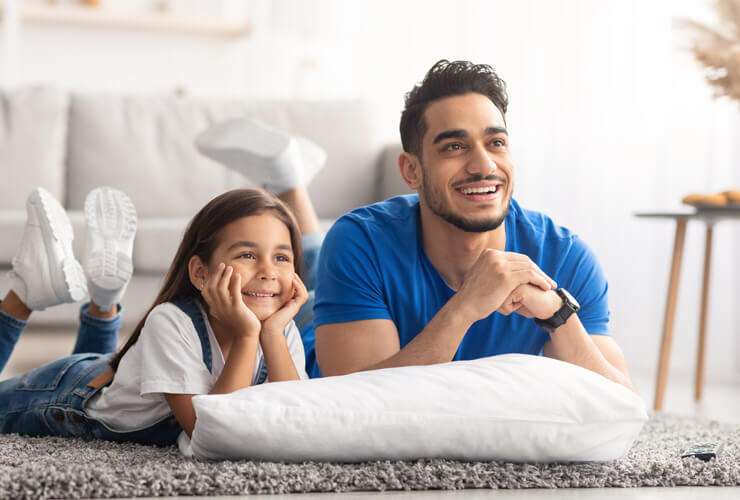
(436, 204)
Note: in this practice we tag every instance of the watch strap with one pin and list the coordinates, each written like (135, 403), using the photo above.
(561, 316)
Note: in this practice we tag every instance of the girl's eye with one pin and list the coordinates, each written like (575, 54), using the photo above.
(283, 258)
(248, 255)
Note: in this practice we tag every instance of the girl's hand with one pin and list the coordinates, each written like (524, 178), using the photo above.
(277, 322)
(223, 294)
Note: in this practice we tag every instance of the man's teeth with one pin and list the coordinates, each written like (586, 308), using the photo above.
(259, 294)
(490, 189)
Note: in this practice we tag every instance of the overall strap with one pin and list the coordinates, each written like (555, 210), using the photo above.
(189, 306)
(262, 370)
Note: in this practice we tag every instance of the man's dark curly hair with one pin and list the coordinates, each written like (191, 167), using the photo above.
(446, 79)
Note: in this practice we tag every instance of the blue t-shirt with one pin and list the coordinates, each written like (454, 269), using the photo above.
(373, 266)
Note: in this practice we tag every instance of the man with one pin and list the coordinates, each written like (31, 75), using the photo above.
(460, 271)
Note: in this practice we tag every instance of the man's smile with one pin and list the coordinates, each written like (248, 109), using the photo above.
(481, 191)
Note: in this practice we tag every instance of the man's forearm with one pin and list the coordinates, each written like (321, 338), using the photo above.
(436, 343)
(571, 343)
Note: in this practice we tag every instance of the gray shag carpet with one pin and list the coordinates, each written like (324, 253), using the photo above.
(73, 468)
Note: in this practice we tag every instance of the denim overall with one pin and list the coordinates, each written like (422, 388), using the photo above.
(50, 400)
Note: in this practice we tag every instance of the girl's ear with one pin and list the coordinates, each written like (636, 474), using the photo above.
(198, 272)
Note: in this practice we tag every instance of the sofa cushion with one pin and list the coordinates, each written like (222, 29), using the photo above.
(144, 146)
(33, 133)
(157, 239)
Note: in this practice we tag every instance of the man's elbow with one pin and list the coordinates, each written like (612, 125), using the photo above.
(344, 348)
(335, 371)
(332, 365)
(329, 365)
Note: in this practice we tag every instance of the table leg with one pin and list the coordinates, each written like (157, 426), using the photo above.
(670, 313)
(699, 380)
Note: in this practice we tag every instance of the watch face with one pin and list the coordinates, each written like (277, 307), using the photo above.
(571, 299)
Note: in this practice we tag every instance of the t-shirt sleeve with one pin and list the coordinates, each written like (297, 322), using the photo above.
(172, 357)
(295, 346)
(587, 283)
(349, 282)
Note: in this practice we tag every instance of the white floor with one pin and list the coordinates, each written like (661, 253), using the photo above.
(720, 402)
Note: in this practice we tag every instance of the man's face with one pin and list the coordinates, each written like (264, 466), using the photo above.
(467, 175)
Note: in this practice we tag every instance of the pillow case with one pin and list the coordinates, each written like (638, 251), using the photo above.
(512, 407)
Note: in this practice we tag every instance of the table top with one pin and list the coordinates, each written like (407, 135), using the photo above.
(705, 213)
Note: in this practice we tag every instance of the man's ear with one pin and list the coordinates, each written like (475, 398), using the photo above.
(410, 168)
(198, 272)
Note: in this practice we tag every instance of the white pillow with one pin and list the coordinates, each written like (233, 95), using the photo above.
(513, 407)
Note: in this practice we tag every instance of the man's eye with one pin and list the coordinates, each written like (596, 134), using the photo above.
(498, 143)
(453, 146)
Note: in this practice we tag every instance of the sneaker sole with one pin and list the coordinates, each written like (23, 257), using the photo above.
(243, 136)
(58, 235)
(111, 222)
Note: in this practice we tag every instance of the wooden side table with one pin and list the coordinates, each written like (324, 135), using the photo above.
(710, 217)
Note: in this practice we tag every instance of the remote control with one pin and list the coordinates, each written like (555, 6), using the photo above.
(703, 451)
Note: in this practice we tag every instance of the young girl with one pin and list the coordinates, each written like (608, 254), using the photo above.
(222, 321)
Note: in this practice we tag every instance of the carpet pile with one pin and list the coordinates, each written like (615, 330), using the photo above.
(73, 468)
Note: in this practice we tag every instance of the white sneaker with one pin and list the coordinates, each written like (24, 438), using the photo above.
(45, 272)
(268, 157)
(111, 227)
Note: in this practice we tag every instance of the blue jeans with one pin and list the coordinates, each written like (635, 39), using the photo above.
(50, 400)
(94, 335)
(304, 318)
(311, 250)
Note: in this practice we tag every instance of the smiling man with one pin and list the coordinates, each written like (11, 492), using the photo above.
(461, 270)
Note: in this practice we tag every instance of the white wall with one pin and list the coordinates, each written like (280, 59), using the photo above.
(609, 115)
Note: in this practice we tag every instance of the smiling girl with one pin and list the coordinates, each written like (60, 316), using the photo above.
(223, 320)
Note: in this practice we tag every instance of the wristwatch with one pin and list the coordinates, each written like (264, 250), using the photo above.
(570, 306)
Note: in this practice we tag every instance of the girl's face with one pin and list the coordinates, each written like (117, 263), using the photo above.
(259, 249)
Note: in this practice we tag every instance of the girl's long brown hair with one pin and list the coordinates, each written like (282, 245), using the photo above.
(202, 237)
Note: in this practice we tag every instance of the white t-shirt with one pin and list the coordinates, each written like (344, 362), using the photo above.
(168, 358)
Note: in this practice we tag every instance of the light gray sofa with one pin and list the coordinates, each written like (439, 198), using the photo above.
(70, 143)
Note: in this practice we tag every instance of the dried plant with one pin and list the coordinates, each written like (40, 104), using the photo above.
(718, 48)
